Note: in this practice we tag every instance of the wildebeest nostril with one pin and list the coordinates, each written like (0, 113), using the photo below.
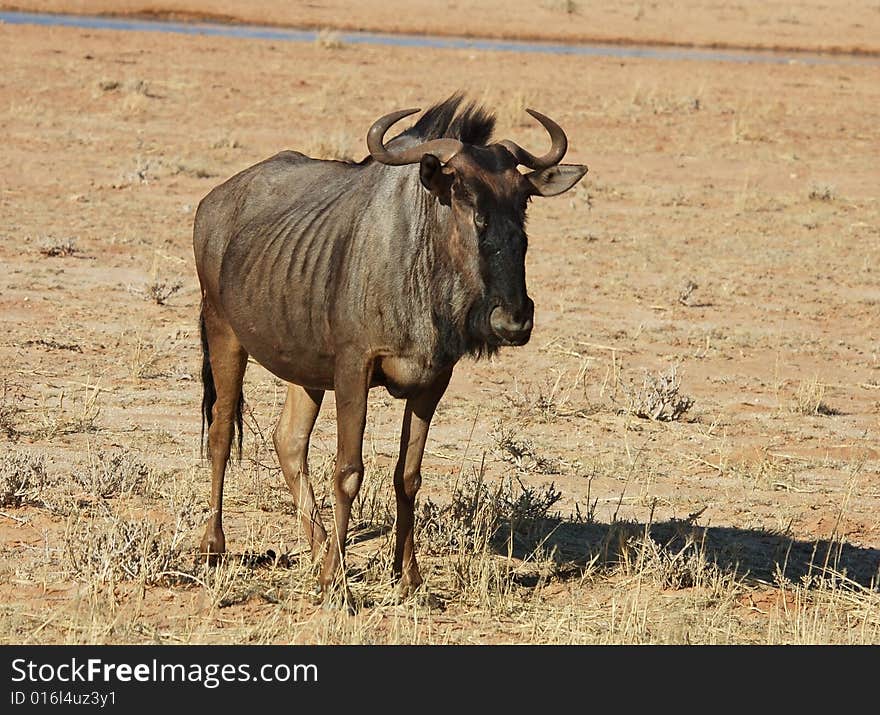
(524, 316)
(507, 327)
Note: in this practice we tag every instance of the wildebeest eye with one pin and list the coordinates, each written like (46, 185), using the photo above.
(480, 221)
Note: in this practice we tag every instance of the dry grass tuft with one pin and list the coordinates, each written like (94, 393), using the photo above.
(144, 359)
(79, 414)
(478, 526)
(329, 145)
(809, 399)
(553, 399)
(678, 563)
(104, 476)
(569, 7)
(509, 108)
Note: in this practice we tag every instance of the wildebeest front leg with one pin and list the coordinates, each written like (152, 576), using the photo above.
(408, 478)
(291, 439)
(351, 385)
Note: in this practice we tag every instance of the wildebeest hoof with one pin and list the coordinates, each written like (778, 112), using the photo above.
(211, 558)
(337, 600)
(417, 594)
(405, 590)
(213, 546)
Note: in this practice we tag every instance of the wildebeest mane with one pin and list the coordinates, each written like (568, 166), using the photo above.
(471, 124)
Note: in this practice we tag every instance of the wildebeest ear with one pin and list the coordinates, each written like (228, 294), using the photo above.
(556, 179)
(435, 177)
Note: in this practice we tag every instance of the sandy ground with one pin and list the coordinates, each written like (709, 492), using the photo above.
(728, 227)
(845, 25)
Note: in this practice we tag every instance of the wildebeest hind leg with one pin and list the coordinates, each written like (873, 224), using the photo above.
(408, 478)
(291, 439)
(228, 361)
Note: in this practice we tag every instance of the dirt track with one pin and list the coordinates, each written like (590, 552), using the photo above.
(756, 185)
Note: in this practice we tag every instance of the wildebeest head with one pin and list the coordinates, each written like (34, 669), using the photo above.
(488, 196)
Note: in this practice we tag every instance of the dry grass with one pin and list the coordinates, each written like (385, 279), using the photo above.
(501, 561)
(74, 411)
(809, 399)
(111, 547)
(144, 359)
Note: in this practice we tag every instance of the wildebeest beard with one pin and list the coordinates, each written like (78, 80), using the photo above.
(471, 336)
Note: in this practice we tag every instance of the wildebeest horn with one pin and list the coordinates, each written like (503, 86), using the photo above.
(443, 149)
(552, 157)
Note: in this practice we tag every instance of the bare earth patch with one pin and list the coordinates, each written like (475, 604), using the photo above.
(721, 252)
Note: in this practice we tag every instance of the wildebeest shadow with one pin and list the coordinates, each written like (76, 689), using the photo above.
(753, 555)
(575, 546)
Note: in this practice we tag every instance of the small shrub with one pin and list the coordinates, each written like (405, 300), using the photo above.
(161, 291)
(22, 478)
(658, 398)
(10, 409)
(521, 453)
(479, 516)
(113, 548)
(60, 249)
(821, 192)
(116, 474)
(80, 414)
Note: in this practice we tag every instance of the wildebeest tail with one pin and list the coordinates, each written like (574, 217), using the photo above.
(209, 393)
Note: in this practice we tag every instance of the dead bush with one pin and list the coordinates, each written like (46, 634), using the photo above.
(521, 453)
(59, 249)
(114, 547)
(116, 474)
(657, 398)
(22, 478)
(160, 291)
(480, 515)
(10, 410)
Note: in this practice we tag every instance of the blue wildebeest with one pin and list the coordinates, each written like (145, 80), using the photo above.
(344, 276)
